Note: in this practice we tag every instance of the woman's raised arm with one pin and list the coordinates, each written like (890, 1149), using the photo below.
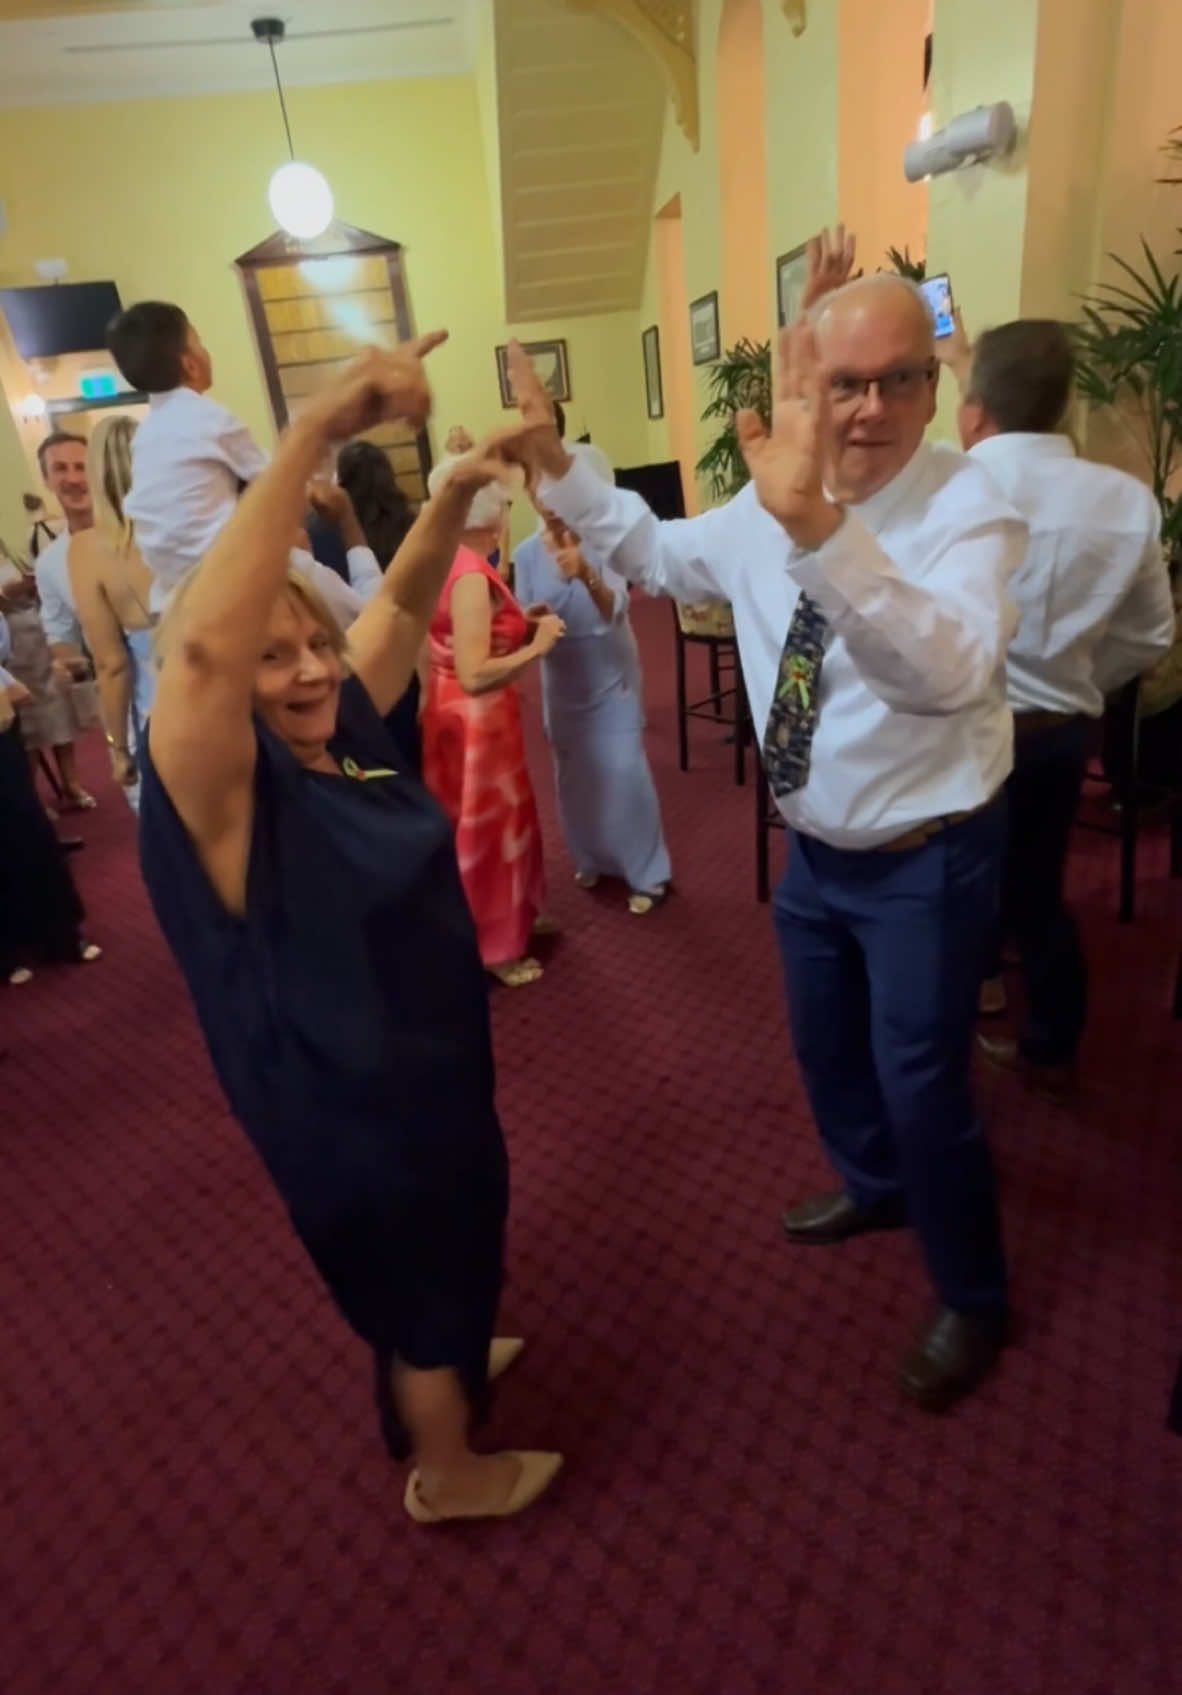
(202, 740)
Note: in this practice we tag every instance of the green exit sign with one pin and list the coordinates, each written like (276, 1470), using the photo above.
(98, 385)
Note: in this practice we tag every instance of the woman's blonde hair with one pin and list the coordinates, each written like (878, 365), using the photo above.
(108, 470)
(298, 586)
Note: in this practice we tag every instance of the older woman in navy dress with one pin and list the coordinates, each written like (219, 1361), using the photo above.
(308, 886)
(593, 705)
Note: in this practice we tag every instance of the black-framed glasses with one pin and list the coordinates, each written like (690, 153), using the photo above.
(902, 383)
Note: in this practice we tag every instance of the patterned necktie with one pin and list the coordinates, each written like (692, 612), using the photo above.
(788, 739)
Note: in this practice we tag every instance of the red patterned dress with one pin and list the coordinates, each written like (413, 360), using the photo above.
(474, 765)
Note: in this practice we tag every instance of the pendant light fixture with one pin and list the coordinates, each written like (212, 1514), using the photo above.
(300, 197)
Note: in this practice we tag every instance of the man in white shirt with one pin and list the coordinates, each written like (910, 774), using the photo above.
(867, 573)
(62, 458)
(1094, 596)
(191, 459)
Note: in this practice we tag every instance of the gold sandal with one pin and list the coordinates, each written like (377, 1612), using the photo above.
(642, 901)
(538, 1471)
(516, 973)
(502, 1351)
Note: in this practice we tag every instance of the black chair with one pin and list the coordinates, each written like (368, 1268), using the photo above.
(1133, 798)
(711, 626)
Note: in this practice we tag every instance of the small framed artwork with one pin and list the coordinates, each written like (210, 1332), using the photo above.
(650, 341)
(705, 344)
(549, 361)
(792, 271)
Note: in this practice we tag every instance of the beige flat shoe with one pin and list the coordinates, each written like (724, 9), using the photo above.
(587, 879)
(502, 1351)
(538, 1471)
(642, 901)
(544, 926)
(516, 973)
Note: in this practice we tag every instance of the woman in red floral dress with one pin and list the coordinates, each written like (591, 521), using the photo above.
(473, 750)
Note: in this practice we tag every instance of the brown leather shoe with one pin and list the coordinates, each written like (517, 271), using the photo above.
(950, 1358)
(1053, 1082)
(835, 1218)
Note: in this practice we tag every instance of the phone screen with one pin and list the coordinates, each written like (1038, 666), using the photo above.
(937, 291)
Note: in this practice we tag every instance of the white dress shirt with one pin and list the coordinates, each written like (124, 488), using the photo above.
(343, 599)
(913, 721)
(1093, 591)
(189, 460)
(59, 620)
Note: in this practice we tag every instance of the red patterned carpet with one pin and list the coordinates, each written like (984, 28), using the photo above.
(194, 1498)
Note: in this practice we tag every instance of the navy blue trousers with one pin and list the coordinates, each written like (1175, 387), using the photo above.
(883, 957)
(1042, 796)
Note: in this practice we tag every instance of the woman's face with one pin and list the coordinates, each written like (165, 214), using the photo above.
(298, 682)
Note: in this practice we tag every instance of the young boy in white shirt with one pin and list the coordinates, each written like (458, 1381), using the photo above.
(191, 458)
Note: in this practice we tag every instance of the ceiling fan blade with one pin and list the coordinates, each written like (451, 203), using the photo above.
(237, 40)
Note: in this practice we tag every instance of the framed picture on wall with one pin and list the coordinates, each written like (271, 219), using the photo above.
(792, 270)
(705, 343)
(549, 361)
(650, 341)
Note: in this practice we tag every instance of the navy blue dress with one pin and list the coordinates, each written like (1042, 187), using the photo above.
(347, 1019)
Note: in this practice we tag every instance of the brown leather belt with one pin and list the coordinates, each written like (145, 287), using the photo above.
(1030, 723)
(921, 833)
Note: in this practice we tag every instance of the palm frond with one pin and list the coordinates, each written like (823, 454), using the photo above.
(740, 380)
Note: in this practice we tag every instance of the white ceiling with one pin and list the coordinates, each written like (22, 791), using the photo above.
(176, 47)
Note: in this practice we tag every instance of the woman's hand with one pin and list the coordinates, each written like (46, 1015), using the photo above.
(539, 609)
(548, 632)
(18, 694)
(329, 501)
(569, 562)
(19, 592)
(376, 387)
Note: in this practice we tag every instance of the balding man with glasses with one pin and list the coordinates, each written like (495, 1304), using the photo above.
(867, 572)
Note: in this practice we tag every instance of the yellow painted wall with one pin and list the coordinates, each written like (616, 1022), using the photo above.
(977, 216)
(800, 124)
(405, 159)
(745, 297)
(880, 97)
(1075, 60)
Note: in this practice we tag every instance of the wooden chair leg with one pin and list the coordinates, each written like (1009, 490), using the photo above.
(763, 831)
(1128, 856)
(682, 719)
(715, 679)
(742, 719)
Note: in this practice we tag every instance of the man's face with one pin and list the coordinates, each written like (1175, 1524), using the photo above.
(198, 366)
(65, 477)
(876, 346)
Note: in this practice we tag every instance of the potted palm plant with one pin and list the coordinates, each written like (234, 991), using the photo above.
(741, 379)
(1128, 348)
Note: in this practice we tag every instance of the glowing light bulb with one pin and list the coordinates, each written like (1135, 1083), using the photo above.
(32, 407)
(925, 126)
(301, 200)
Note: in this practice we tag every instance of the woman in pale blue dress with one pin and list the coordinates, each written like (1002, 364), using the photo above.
(593, 706)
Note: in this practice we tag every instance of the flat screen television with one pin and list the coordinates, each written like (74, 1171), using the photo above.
(60, 317)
